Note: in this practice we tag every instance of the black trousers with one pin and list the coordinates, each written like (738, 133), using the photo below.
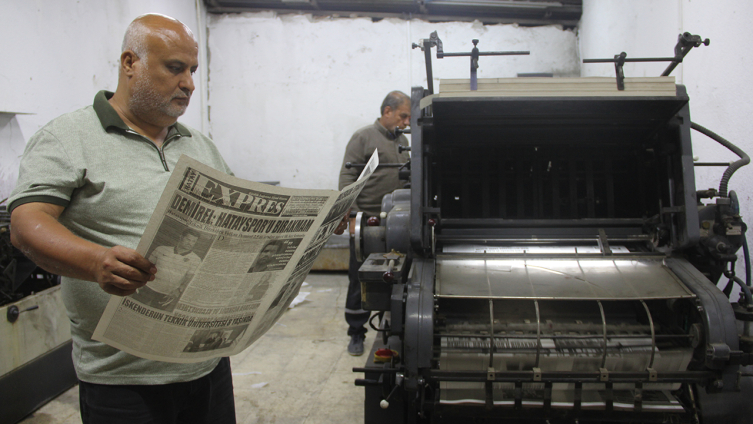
(354, 315)
(207, 400)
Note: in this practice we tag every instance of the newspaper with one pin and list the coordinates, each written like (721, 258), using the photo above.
(231, 255)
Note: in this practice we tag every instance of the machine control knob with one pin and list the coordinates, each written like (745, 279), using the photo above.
(388, 277)
(372, 221)
(432, 222)
(384, 404)
(14, 312)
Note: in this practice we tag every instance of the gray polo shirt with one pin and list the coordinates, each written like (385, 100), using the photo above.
(109, 179)
(384, 180)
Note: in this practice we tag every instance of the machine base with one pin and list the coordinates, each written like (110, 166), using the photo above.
(29, 387)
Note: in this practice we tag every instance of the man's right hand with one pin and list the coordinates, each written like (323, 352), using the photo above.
(35, 231)
(121, 271)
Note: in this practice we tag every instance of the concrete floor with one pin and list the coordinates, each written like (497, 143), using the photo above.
(299, 372)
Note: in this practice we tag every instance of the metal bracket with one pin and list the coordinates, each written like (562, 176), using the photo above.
(426, 45)
(537, 374)
(685, 42)
(619, 62)
(603, 374)
(474, 65)
(604, 243)
(652, 374)
(491, 375)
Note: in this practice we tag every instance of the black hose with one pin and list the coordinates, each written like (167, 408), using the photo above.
(734, 166)
(745, 289)
(746, 257)
(746, 252)
(371, 324)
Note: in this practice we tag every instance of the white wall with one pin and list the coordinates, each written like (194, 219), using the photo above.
(286, 92)
(58, 54)
(717, 76)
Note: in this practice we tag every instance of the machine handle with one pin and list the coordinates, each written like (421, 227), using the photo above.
(14, 312)
(357, 237)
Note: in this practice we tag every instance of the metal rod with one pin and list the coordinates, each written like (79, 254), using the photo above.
(427, 57)
(502, 297)
(494, 222)
(635, 59)
(491, 333)
(538, 332)
(465, 239)
(712, 163)
(489, 54)
(570, 336)
(571, 376)
(376, 370)
(604, 327)
(491, 317)
(349, 165)
(653, 334)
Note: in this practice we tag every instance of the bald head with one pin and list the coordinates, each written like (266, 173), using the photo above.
(154, 24)
(394, 100)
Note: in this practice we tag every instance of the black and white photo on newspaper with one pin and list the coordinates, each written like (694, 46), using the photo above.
(230, 254)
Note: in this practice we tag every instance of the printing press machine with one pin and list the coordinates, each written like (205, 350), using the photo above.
(35, 337)
(552, 261)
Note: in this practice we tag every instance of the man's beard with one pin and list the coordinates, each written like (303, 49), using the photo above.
(145, 101)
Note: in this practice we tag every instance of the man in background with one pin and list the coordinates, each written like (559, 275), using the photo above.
(383, 136)
(88, 184)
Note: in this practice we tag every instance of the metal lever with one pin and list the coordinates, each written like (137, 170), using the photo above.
(392, 258)
(14, 312)
(385, 403)
(349, 165)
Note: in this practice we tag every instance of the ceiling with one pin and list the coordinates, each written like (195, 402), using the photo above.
(523, 12)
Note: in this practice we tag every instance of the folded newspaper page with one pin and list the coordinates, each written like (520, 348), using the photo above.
(231, 255)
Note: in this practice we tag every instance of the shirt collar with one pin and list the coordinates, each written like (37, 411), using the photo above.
(108, 117)
(385, 132)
